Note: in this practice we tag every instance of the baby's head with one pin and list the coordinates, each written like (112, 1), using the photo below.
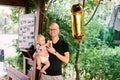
(40, 39)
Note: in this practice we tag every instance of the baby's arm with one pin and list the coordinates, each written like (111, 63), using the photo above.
(35, 54)
(42, 46)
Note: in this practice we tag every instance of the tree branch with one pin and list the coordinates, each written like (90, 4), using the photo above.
(52, 1)
(93, 13)
(76, 63)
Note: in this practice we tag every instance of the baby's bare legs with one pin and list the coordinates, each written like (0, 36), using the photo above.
(38, 62)
(47, 64)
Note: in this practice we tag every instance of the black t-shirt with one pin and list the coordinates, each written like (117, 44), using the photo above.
(56, 64)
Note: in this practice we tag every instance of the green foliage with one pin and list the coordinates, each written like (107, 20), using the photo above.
(10, 60)
(108, 36)
(7, 26)
(19, 58)
(92, 35)
(112, 70)
(100, 64)
(15, 14)
(90, 4)
(98, 61)
(1, 21)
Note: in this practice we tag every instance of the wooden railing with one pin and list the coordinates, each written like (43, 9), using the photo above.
(29, 68)
(14, 74)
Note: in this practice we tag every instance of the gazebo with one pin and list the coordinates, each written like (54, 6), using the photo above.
(27, 60)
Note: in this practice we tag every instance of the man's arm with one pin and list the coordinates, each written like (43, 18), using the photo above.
(64, 58)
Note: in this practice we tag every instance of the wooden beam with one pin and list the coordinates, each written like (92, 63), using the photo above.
(13, 2)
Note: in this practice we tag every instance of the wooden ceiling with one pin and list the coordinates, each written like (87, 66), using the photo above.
(21, 3)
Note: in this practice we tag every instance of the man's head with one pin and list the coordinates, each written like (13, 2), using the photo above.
(54, 30)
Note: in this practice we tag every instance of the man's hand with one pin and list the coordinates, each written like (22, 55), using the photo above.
(51, 50)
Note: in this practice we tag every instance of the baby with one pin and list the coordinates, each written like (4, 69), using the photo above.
(41, 53)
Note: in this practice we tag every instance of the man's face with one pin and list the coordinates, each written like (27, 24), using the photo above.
(54, 30)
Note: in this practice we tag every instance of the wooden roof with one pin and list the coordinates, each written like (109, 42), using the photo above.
(21, 3)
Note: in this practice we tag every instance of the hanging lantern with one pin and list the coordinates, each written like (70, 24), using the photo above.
(77, 16)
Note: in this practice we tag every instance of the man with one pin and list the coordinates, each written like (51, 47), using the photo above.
(58, 53)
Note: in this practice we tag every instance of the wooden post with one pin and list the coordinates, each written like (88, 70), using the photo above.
(39, 27)
(28, 60)
(40, 16)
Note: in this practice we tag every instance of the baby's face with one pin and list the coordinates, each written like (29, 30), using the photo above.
(41, 40)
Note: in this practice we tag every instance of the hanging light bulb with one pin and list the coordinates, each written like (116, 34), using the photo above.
(77, 17)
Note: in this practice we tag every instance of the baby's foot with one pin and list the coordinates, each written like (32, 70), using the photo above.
(43, 71)
(39, 67)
